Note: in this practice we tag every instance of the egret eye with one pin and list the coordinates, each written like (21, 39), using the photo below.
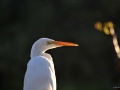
(49, 42)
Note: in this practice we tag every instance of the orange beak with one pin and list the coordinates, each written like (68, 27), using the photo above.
(60, 43)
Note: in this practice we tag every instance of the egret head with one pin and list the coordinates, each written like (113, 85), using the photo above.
(43, 44)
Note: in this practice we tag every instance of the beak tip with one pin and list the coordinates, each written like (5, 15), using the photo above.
(76, 45)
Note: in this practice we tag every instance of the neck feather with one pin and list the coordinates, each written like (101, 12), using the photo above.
(37, 51)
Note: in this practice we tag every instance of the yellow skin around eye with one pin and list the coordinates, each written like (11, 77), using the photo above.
(49, 42)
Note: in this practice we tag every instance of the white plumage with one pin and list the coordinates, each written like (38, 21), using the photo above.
(40, 73)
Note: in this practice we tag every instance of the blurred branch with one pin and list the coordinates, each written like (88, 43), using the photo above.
(108, 28)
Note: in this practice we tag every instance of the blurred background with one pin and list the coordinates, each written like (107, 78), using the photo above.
(91, 66)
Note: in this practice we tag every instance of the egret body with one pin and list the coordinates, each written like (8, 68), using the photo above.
(40, 73)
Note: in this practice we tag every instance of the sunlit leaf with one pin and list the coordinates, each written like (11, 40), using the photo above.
(98, 26)
(109, 25)
(106, 31)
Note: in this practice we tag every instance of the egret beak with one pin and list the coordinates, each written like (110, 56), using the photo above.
(61, 43)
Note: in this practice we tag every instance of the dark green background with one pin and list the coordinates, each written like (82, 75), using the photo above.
(91, 66)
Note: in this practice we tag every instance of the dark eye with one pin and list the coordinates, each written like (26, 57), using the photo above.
(49, 42)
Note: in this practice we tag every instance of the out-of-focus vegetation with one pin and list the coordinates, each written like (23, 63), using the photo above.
(108, 29)
(91, 66)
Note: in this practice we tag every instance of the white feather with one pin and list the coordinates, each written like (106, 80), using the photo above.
(40, 74)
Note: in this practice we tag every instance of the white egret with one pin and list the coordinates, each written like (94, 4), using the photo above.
(40, 73)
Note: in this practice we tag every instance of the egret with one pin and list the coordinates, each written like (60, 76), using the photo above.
(40, 73)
